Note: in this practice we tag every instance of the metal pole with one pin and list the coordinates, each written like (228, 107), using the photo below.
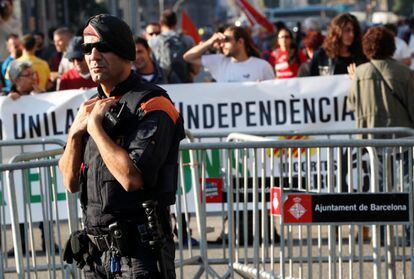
(14, 217)
(29, 15)
(161, 6)
(113, 7)
(139, 20)
(66, 12)
(134, 15)
(43, 18)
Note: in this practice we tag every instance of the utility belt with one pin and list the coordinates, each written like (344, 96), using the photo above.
(122, 236)
(123, 239)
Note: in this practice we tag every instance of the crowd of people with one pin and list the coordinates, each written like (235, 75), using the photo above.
(379, 60)
(165, 55)
(232, 54)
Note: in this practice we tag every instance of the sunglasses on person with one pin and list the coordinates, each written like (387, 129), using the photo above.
(28, 75)
(228, 39)
(100, 46)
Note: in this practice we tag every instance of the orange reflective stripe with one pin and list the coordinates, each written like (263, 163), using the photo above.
(161, 103)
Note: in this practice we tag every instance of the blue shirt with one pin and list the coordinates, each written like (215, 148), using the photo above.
(4, 67)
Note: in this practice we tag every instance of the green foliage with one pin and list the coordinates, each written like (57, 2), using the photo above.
(81, 10)
(403, 7)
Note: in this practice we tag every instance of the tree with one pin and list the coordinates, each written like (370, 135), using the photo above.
(403, 7)
(81, 10)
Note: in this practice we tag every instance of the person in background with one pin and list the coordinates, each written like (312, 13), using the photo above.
(42, 51)
(22, 79)
(22, 82)
(55, 60)
(152, 30)
(144, 65)
(410, 39)
(169, 47)
(403, 29)
(238, 59)
(402, 51)
(8, 25)
(61, 39)
(14, 47)
(382, 90)
(40, 67)
(287, 58)
(262, 38)
(78, 77)
(117, 170)
(341, 48)
(381, 95)
(311, 43)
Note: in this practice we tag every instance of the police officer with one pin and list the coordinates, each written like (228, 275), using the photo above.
(118, 166)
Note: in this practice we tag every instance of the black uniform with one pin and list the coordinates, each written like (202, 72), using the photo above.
(151, 140)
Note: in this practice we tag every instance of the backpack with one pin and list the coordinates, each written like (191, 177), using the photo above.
(170, 58)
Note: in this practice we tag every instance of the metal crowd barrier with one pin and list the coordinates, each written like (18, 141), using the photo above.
(247, 170)
(182, 210)
(51, 264)
(310, 166)
(47, 182)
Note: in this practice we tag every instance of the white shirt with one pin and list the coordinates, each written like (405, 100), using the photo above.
(402, 51)
(223, 69)
(411, 46)
(65, 65)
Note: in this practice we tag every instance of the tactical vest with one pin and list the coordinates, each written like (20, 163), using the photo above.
(103, 199)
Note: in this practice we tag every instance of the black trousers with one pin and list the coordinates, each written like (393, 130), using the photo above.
(143, 262)
(141, 265)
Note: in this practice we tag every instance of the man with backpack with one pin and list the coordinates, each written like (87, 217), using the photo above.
(169, 47)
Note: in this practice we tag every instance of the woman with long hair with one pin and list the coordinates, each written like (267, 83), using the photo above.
(286, 58)
(341, 48)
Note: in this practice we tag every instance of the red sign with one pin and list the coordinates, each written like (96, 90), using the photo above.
(297, 209)
(275, 201)
(213, 188)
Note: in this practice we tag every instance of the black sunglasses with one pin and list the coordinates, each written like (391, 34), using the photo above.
(100, 46)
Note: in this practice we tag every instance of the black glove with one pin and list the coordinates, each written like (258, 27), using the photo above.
(77, 248)
(67, 252)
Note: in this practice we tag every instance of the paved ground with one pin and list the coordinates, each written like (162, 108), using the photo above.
(217, 252)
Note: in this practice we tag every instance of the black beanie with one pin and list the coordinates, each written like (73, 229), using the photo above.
(116, 33)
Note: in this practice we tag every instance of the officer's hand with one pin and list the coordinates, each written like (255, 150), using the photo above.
(79, 124)
(98, 113)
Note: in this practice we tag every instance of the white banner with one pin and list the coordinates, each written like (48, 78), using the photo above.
(279, 105)
(292, 104)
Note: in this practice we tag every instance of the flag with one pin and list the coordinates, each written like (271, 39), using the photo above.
(254, 16)
(188, 27)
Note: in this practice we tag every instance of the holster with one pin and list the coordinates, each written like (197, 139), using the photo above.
(124, 236)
